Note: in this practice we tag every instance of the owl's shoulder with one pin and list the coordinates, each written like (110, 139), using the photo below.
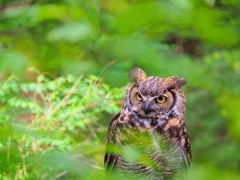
(112, 128)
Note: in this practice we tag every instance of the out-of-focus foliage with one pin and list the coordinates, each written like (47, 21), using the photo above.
(42, 114)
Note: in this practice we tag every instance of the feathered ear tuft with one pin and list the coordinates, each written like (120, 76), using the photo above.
(175, 81)
(181, 81)
(137, 75)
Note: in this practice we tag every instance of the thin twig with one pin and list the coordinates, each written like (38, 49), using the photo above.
(92, 131)
(68, 95)
(61, 174)
(107, 66)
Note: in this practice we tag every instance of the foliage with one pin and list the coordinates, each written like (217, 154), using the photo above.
(48, 125)
(50, 117)
(85, 36)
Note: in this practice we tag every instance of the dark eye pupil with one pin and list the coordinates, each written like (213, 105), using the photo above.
(160, 98)
(139, 97)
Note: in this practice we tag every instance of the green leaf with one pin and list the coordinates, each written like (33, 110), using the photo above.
(72, 32)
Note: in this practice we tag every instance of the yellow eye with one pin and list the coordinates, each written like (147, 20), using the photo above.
(139, 97)
(161, 99)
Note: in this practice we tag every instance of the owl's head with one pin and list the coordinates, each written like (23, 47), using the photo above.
(151, 97)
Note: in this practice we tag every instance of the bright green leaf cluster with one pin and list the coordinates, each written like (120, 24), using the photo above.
(52, 115)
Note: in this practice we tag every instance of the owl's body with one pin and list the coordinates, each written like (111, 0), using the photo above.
(148, 138)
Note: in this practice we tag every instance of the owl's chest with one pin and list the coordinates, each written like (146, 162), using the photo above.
(144, 141)
(147, 152)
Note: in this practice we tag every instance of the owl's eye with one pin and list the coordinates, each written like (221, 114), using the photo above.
(139, 97)
(161, 99)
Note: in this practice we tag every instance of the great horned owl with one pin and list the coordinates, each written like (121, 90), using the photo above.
(148, 138)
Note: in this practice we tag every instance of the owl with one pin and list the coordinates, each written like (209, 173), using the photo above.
(148, 139)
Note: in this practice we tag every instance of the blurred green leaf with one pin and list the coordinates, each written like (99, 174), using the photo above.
(13, 63)
(70, 32)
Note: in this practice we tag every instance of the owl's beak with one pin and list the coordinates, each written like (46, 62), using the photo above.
(147, 109)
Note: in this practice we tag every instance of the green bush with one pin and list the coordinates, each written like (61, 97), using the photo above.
(54, 127)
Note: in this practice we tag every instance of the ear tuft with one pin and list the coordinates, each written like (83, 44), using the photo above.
(137, 75)
(175, 81)
(181, 81)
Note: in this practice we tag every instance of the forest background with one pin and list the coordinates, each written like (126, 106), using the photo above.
(64, 68)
